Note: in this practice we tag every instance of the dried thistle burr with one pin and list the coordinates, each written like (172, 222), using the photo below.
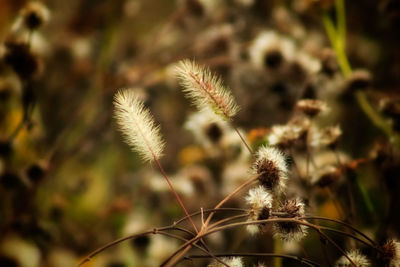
(355, 255)
(34, 15)
(137, 125)
(232, 262)
(272, 168)
(391, 253)
(260, 202)
(291, 231)
(311, 107)
(206, 90)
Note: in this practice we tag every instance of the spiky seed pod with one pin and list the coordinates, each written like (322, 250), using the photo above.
(271, 165)
(261, 203)
(137, 125)
(291, 231)
(311, 107)
(355, 255)
(391, 253)
(206, 90)
(232, 262)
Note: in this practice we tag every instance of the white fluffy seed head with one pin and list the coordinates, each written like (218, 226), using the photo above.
(137, 125)
(206, 90)
(288, 231)
(232, 262)
(271, 165)
(260, 202)
(355, 255)
(258, 198)
(391, 253)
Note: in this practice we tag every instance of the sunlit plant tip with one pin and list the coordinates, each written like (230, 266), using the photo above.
(137, 125)
(206, 90)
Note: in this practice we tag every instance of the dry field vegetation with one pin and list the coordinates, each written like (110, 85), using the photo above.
(199, 133)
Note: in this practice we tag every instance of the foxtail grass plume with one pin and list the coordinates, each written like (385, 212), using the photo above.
(137, 125)
(206, 90)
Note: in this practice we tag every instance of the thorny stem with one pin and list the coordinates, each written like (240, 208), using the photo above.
(239, 254)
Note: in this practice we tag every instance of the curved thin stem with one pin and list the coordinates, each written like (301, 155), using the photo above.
(115, 242)
(349, 235)
(224, 227)
(344, 224)
(222, 202)
(197, 246)
(239, 254)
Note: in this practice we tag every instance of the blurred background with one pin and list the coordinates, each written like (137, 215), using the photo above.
(68, 184)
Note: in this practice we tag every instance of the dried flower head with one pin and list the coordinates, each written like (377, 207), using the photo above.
(358, 80)
(328, 137)
(326, 175)
(271, 165)
(206, 90)
(137, 125)
(359, 259)
(271, 50)
(21, 59)
(261, 203)
(232, 262)
(311, 107)
(206, 127)
(291, 231)
(288, 134)
(391, 253)
(35, 14)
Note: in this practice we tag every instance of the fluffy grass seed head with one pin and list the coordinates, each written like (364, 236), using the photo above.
(291, 231)
(232, 262)
(271, 165)
(206, 90)
(261, 203)
(355, 255)
(137, 125)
